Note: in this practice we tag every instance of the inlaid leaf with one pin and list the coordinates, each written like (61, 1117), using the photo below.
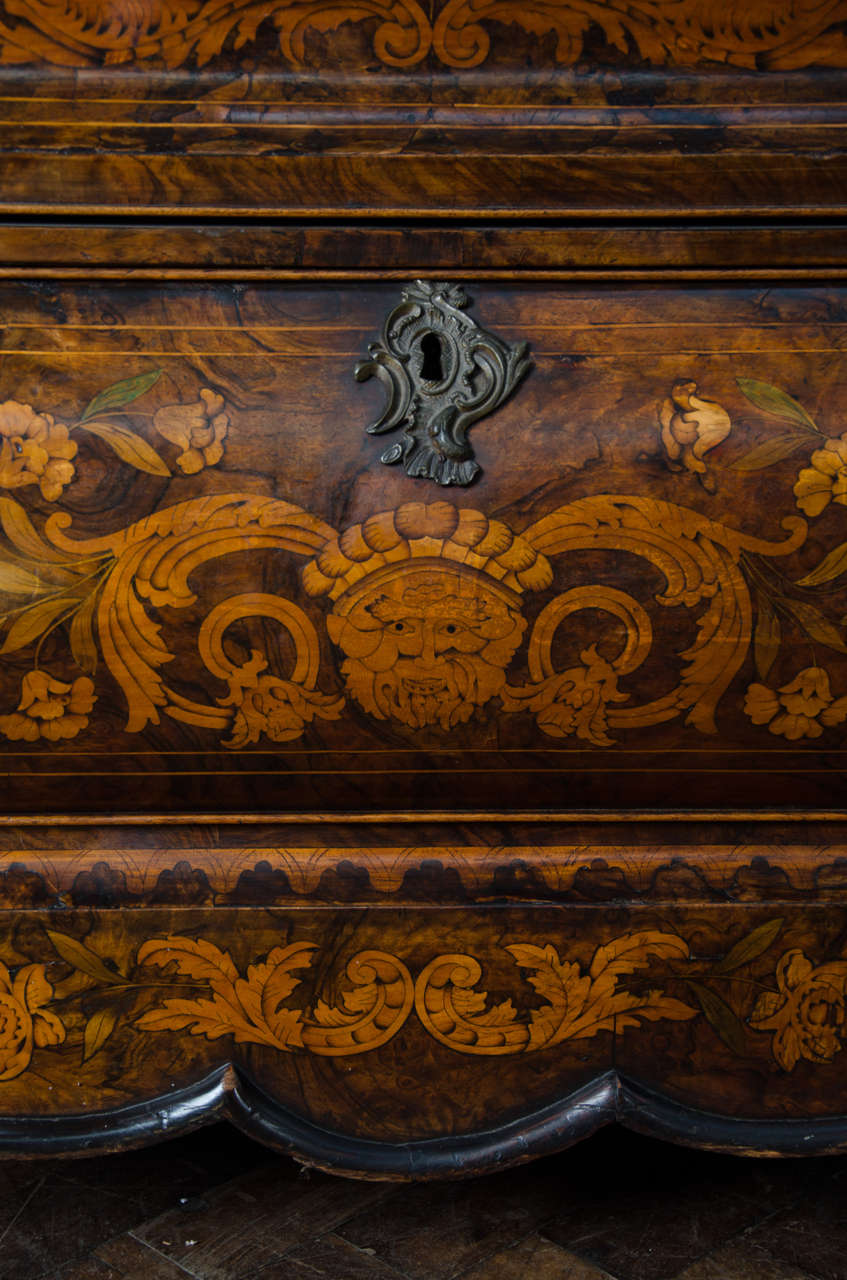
(120, 393)
(832, 566)
(725, 1021)
(655, 1006)
(767, 636)
(282, 962)
(48, 1029)
(33, 622)
(98, 1028)
(770, 451)
(78, 955)
(816, 624)
(634, 950)
(22, 533)
(499, 1015)
(209, 1018)
(772, 400)
(327, 1015)
(83, 644)
(15, 580)
(130, 447)
(750, 946)
(31, 986)
(193, 958)
(287, 1029)
(215, 1018)
(550, 976)
(364, 998)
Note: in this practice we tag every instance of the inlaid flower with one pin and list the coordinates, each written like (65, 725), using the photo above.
(690, 427)
(572, 702)
(24, 1021)
(825, 480)
(266, 704)
(49, 708)
(580, 701)
(801, 709)
(34, 449)
(198, 429)
(807, 1013)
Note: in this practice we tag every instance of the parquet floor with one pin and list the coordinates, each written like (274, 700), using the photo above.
(213, 1206)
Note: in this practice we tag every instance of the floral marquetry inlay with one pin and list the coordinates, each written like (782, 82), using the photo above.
(295, 1000)
(213, 999)
(428, 608)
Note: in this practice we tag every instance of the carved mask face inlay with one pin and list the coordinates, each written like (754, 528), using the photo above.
(427, 646)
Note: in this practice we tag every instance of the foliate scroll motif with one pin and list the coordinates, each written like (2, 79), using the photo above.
(189, 984)
(427, 611)
(576, 1004)
(699, 562)
(442, 373)
(793, 1009)
(149, 564)
(252, 1009)
(178, 32)
(775, 34)
(765, 33)
(265, 703)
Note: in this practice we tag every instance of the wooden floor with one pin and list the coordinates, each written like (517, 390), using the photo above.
(216, 1207)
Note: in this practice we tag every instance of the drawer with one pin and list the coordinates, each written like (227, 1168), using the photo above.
(633, 596)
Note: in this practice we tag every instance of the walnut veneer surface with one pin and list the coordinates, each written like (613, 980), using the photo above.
(423, 575)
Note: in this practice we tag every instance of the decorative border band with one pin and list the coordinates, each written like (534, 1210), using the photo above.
(460, 34)
(259, 875)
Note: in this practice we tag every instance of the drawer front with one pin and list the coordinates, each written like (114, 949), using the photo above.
(218, 599)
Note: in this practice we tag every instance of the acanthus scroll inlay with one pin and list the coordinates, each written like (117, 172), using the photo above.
(437, 614)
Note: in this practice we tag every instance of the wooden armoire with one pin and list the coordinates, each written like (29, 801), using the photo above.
(423, 575)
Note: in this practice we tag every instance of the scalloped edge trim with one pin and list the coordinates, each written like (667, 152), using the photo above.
(609, 1099)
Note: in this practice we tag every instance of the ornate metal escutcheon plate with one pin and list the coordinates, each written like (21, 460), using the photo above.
(442, 373)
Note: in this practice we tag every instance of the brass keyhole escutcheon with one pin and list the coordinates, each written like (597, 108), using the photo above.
(442, 373)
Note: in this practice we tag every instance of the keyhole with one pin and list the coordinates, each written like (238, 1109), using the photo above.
(431, 369)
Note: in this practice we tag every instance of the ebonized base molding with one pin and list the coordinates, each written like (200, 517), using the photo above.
(610, 1099)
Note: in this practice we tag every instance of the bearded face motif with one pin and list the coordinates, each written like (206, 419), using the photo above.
(427, 646)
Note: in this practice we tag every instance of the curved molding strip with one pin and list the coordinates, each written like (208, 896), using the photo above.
(608, 1099)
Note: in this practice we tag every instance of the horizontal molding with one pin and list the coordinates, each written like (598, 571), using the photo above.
(423, 817)
(218, 250)
(135, 878)
(587, 183)
(210, 274)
